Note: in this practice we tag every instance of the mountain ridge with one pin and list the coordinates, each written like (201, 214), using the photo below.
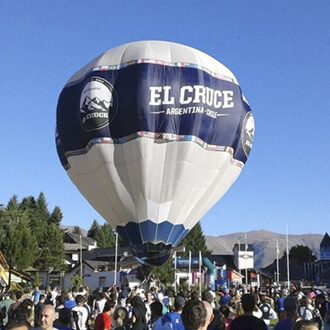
(264, 244)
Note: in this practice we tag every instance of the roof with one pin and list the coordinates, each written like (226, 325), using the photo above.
(73, 247)
(244, 247)
(75, 239)
(325, 241)
(105, 253)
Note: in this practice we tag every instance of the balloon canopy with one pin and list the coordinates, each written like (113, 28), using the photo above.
(153, 134)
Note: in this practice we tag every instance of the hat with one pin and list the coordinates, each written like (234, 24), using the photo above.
(290, 304)
(179, 302)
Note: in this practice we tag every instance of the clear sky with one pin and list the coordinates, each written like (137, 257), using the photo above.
(278, 50)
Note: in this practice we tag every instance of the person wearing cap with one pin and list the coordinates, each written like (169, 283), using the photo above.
(290, 312)
(175, 317)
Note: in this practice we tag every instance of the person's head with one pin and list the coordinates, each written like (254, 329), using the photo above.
(194, 295)
(208, 296)
(47, 318)
(248, 303)
(179, 303)
(149, 297)
(156, 309)
(263, 298)
(64, 317)
(17, 324)
(224, 309)
(36, 288)
(109, 307)
(61, 300)
(305, 325)
(80, 299)
(120, 316)
(304, 301)
(209, 314)
(18, 295)
(290, 307)
(42, 298)
(194, 315)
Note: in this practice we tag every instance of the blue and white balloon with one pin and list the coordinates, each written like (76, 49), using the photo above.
(153, 134)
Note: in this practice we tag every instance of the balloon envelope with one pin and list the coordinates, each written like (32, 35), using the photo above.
(153, 134)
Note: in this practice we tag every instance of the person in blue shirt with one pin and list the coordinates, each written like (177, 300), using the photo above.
(175, 317)
(280, 306)
(36, 295)
(225, 299)
(290, 311)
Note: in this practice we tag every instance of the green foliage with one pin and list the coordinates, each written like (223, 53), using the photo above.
(76, 281)
(56, 216)
(302, 253)
(164, 273)
(26, 239)
(77, 231)
(195, 242)
(93, 230)
(102, 234)
(18, 244)
(36, 281)
(52, 252)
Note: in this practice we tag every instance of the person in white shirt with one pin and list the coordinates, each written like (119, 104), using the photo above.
(80, 314)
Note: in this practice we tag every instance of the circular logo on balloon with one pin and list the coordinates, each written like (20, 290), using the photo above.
(98, 104)
(248, 133)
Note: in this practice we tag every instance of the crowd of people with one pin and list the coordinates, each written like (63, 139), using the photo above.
(137, 309)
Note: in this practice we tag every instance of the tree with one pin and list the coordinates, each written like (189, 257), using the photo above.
(103, 235)
(52, 252)
(164, 273)
(37, 281)
(13, 204)
(42, 207)
(77, 231)
(195, 242)
(18, 244)
(301, 253)
(94, 230)
(56, 216)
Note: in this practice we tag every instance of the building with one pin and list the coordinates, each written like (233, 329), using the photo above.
(323, 264)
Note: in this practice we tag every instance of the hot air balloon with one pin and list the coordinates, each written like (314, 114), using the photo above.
(153, 134)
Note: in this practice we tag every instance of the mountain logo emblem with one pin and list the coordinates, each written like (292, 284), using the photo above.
(248, 129)
(98, 104)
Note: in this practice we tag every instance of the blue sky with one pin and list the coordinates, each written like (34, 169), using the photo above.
(279, 52)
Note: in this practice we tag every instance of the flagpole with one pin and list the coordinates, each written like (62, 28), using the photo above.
(277, 264)
(287, 255)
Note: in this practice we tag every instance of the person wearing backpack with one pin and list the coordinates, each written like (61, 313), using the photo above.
(268, 312)
(308, 312)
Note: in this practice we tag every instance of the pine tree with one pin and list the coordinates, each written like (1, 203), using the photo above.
(13, 203)
(18, 244)
(195, 242)
(109, 236)
(93, 230)
(42, 207)
(52, 252)
(56, 216)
